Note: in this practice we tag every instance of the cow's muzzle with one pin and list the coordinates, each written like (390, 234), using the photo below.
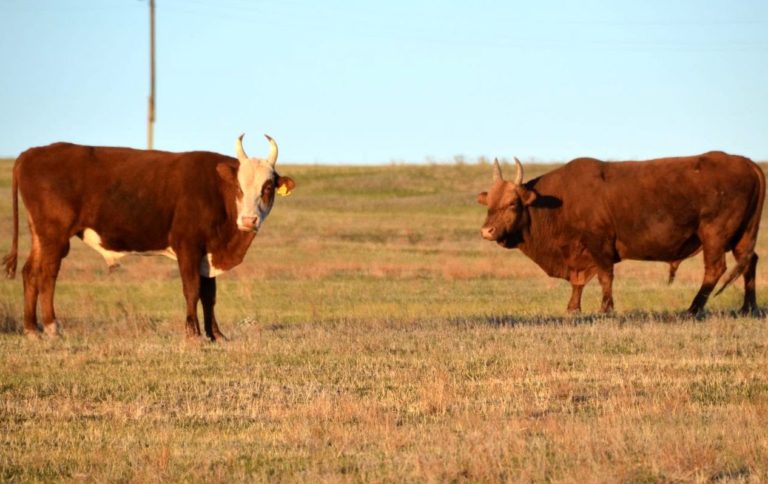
(488, 233)
(249, 224)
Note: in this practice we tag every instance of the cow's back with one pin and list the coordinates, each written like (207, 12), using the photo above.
(129, 197)
(652, 210)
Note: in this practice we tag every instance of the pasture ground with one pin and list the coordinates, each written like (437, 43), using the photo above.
(375, 336)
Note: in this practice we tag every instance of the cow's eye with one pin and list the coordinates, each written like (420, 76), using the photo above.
(267, 192)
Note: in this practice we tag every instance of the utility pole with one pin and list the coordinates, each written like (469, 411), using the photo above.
(151, 113)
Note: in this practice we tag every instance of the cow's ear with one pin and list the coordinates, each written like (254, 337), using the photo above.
(227, 172)
(527, 196)
(285, 185)
(482, 198)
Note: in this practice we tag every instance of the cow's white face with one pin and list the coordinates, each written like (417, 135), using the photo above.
(257, 184)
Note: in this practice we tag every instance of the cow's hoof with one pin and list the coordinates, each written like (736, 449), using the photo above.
(751, 311)
(194, 340)
(52, 330)
(32, 334)
(697, 314)
(219, 338)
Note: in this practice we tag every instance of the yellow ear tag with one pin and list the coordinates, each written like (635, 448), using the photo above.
(282, 190)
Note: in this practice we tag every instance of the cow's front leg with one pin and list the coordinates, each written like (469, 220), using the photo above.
(189, 268)
(208, 298)
(605, 277)
(574, 304)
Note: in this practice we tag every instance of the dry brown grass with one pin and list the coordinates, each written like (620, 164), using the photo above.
(375, 337)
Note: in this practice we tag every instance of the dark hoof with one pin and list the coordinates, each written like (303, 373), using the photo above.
(751, 311)
(696, 313)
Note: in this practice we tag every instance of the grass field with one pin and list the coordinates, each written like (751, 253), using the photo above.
(375, 336)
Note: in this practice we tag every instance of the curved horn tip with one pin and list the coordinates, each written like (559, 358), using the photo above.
(272, 157)
(239, 147)
(519, 174)
(497, 176)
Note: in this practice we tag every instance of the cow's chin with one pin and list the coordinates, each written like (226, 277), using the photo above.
(510, 240)
(249, 229)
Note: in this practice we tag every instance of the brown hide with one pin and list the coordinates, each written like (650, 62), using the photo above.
(136, 201)
(588, 215)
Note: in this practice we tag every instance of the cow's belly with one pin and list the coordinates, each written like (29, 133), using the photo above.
(650, 247)
(93, 240)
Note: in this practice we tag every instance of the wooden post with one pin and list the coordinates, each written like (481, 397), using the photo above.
(151, 111)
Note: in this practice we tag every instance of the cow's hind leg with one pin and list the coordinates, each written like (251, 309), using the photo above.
(31, 275)
(52, 252)
(208, 298)
(750, 299)
(714, 268)
(39, 273)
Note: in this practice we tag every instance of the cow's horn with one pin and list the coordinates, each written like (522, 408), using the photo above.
(497, 171)
(272, 157)
(239, 148)
(519, 174)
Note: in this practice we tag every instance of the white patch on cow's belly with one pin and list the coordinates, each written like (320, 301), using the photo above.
(207, 269)
(93, 240)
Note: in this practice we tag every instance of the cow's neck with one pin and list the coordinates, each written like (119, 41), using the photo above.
(229, 251)
(541, 244)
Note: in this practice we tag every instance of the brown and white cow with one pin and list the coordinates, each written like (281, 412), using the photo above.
(201, 208)
(578, 220)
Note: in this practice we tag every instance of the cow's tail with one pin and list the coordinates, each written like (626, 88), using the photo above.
(750, 232)
(11, 259)
(673, 271)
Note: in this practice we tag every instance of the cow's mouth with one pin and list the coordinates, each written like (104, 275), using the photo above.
(248, 224)
(246, 227)
(510, 240)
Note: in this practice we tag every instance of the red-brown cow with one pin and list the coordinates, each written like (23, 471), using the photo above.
(579, 220)
(201, 208)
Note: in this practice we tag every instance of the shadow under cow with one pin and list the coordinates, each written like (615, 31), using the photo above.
(9, 323)
(628, 317)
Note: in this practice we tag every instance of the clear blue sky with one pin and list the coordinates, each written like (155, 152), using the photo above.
(370, 82)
